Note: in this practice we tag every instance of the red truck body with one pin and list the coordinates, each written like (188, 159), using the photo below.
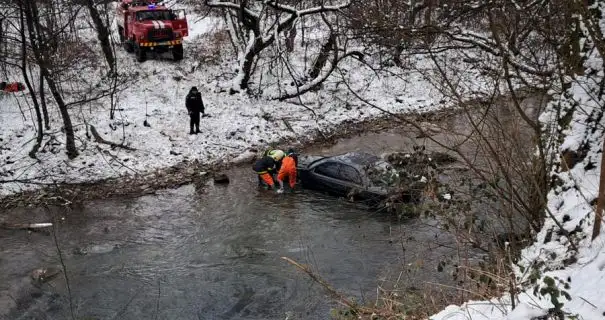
(145, 26)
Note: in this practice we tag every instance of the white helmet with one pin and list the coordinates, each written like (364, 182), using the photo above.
(277, 155)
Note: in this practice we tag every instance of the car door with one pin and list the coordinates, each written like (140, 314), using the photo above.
(350, 179)
(326, 177)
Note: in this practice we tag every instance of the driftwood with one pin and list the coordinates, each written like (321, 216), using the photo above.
(99, 139)
(25, 226)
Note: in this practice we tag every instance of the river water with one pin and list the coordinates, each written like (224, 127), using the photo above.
(208, 254)
(211, 252)
(214, 251)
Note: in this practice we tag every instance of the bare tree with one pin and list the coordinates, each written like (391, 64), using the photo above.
(596, 230)
(23, 67)
(42, 48)
(261, 24)
(103, 34)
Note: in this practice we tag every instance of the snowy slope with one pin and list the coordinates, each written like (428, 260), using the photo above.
(237, 123)
(550, 271)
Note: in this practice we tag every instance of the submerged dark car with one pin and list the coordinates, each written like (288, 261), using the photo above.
(354, 175)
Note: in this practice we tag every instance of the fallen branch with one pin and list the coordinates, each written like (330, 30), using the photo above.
(24, 226)
(359, 310)
(99, 139)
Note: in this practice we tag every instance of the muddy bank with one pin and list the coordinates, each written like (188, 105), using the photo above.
(195, 172)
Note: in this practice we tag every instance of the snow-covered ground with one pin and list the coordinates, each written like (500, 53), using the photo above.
(550, 272)
(235, 124)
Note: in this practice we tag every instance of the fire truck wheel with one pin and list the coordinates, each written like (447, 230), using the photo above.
(128, 46)
(140, 53)
(177, 52)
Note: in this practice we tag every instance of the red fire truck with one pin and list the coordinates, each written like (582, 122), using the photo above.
(146, 25)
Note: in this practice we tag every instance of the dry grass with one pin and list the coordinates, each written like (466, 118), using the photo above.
(394, 301)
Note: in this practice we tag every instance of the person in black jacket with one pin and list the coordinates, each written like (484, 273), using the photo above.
(265, 168)
(195, 106)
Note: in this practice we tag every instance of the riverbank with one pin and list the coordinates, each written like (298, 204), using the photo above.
(195, 171)
(151, 122)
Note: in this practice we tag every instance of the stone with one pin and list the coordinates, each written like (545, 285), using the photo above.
(221, 178)
(43, 275)
(247, 156)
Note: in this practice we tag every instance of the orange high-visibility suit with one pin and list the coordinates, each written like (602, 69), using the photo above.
(288, 169)
(265, 167)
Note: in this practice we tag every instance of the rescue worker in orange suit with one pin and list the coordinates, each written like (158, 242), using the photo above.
(287, 170)
(277, 155)
(195, 106)
(266, 167)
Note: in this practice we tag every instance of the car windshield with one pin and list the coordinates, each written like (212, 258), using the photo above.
(382, 174)
(154, 15)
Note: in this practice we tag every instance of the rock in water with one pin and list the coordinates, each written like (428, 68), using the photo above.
(43, 275)
(221, 178)
(247, 156)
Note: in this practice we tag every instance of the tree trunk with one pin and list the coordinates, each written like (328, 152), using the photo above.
(70, 142)
(39, 135)
(247, 68)
(102, 34)
(248, 61)
(397, 52)
(1, 34)
(290, 39)
(23, 67)
(322, 58)
(234, 37)
(570, 48)
(596, 228)
(33, 24)
(429, 35)
(43, 103)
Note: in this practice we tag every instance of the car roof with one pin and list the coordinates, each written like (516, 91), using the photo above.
(357, 159)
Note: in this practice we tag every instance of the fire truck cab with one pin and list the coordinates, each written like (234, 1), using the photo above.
(146, 25)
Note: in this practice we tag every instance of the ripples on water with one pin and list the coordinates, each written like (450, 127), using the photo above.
(215, 253)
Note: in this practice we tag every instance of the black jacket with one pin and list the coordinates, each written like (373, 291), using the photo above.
(264, 164)
(194, 102)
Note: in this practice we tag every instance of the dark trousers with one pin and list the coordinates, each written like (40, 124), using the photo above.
(194, 121)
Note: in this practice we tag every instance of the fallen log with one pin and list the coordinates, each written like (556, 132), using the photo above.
(25, 226)
(99, 139)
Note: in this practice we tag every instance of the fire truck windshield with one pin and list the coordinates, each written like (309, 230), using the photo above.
(155, 15)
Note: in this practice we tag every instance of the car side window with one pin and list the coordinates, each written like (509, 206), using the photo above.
(349, 174)
(328, 169)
